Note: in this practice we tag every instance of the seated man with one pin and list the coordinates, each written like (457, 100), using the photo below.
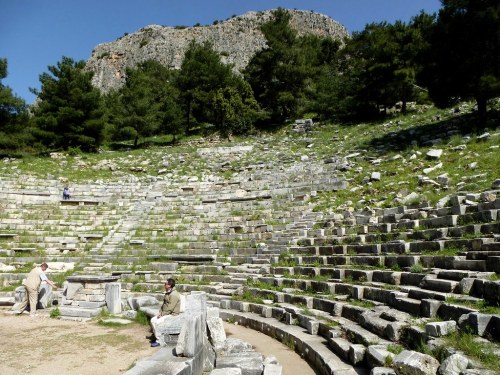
(66, 194)
(171, 307)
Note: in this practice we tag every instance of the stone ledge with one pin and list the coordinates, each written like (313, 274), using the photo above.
(92, 278)
(311, 347)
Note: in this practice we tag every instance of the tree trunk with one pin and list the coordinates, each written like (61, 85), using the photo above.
(188, 125)
(481, 110)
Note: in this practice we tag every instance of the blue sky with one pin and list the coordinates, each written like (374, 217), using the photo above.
(37, 33)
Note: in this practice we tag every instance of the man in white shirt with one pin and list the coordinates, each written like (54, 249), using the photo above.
(32, 284)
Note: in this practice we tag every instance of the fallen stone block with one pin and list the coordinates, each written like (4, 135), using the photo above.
(273, 369)
(414, 363)
(376, 355)
(357, 354)
(162, 362)
(216, 332)
(454, 364)
(77, 312)
(437, 329)
(138, 302)
(250, 363)
(226, 371)
(484, 325)
(382, 371)
(234, 345)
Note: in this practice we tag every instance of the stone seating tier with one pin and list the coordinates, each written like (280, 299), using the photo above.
(351, 344)
(319, 244)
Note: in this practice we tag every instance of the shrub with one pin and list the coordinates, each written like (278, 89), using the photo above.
(55, 313)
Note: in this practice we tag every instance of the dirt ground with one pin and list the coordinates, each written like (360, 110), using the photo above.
(292, 363)
(41, 345)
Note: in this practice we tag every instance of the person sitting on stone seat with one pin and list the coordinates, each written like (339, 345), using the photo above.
(66, 193)
(171, 307)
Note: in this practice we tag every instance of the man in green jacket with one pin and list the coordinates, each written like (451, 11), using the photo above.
(171, 307)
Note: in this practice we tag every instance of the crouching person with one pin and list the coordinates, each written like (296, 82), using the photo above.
(32, 284)
(171, 307)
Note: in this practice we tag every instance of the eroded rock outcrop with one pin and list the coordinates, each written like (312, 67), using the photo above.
(236, 39)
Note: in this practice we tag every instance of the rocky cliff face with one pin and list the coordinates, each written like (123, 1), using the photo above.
(236, 39)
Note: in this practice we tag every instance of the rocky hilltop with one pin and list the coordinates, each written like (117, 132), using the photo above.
(236, 39)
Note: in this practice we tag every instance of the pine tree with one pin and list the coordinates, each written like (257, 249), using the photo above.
(68, 113)
(464, 56)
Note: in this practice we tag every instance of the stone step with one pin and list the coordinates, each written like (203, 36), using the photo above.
(79, 312)
(310, 347)
(359, 335)
(439, 285)
(409, 305)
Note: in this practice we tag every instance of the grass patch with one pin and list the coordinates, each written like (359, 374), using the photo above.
(361, 303)
(395, 348)
(471, 346)
(106, 323)
(495, 277)
(248, 296)
(142, 318)
(262, 285)
(481, 305)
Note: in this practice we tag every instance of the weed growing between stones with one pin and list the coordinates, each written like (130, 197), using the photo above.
(142, 318)
(103, 314)
(495, 277)
(417, 268)
(395, 348)
(289, 341)
(388, 361)
(55, 313)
